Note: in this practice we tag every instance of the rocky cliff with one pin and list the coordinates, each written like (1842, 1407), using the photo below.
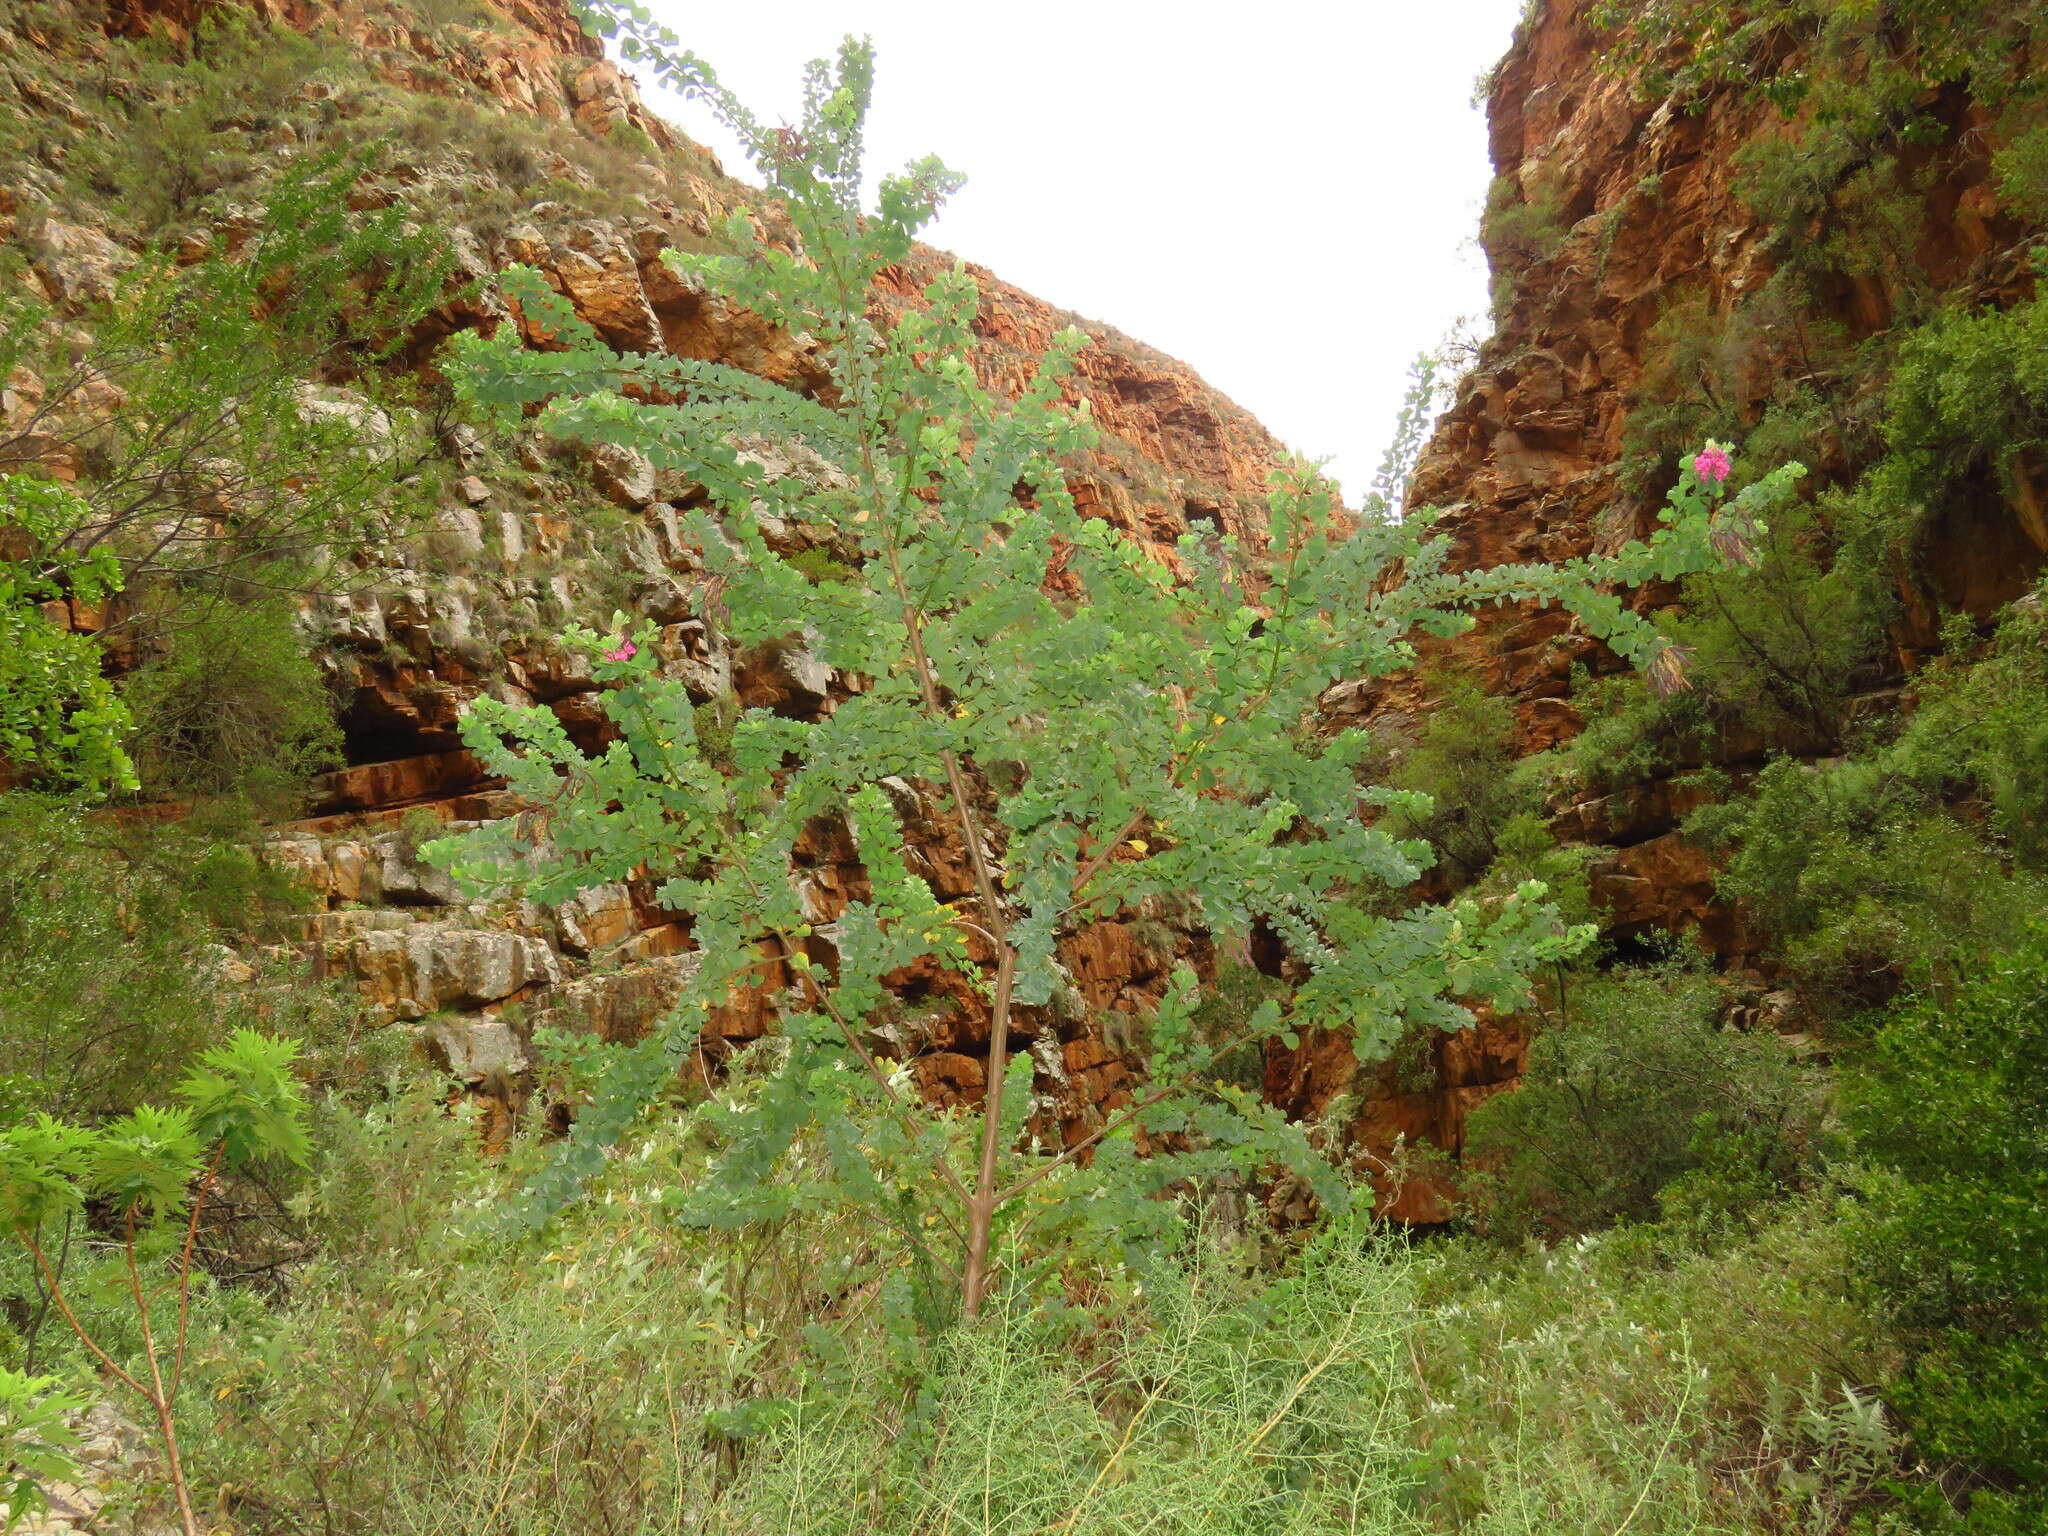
(1617, 217)
(1628, 221)
(510, 131)
(1532, 459)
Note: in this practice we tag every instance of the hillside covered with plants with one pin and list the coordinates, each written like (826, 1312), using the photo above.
(671, 863)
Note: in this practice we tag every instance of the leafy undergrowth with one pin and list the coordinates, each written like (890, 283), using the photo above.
(621, 1372)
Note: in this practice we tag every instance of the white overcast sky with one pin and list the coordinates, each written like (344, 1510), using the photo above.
(1281, 194)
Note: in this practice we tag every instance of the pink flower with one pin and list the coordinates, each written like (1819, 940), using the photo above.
(625, 651)
(1713, 463)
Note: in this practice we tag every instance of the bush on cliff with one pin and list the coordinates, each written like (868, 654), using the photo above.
(192, 122)
(213, 478)
(1464, 762)
(1951, 1112)
(1638, 1100)
(1923, 851)
(232, 706)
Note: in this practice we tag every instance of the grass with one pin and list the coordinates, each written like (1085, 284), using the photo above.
(625, 1374)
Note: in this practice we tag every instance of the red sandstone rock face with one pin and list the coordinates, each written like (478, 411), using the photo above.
(510, 563)
(1526, 457)
(531, 57)
(1402, 1109)
(1181, 453)
(1189, 458)
(1525, 464)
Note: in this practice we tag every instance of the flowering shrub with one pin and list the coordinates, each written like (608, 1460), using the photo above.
(1157, 739)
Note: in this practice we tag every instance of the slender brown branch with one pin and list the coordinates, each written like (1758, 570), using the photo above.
(160, 1400)
(1101, 857)
(64, 1307)
(1121, 1118)
(185, 1262)
(874, 1068)
(981, 1214)
(981, 1207)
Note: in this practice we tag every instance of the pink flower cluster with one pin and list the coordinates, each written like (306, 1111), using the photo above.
(1713, 463)
(626, 650)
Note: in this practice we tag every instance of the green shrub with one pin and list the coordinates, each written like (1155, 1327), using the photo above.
(601, 1376)
(1465, 761)
(2021, 168)
(1979, 731)
(1228, 1404)
(112, 938)
(59, 717)
(1969, 397)
(234, 706)
(192, 125)
(1656, 1383)
(1523, 224)
(1858, 878)
(1632, 1085)
(1920, 851)
(1951, 1110)
(628, 1374)
(1878, 70)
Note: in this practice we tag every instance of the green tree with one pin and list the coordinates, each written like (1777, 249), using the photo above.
(220, 466)
(1100, 736)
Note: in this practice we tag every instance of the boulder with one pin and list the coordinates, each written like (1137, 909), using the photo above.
(422, 968)
(78, 266)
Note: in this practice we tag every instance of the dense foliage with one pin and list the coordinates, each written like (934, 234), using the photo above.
(1638, 1102)
(1752, 1252)
(1950, 1111)
(1100, 734)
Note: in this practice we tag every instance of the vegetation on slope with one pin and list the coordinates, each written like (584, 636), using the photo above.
(1703, 1283)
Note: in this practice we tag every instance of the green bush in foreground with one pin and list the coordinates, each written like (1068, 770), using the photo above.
(1952, 1111)
(151, 1173)
(628, 1373)
(1101, 735)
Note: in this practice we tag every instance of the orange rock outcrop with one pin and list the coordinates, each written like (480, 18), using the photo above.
(1527, 466)
(508, 560)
